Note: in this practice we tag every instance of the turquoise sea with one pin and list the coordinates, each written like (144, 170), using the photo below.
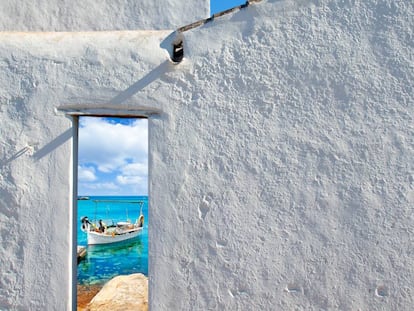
(103, 262)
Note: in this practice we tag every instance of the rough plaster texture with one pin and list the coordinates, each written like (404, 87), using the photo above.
(40, 73)
(284, 180)
(89, 15)
(281, 172)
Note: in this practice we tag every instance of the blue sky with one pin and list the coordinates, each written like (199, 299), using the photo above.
(113, 156)
(113, 152)
(221, 5)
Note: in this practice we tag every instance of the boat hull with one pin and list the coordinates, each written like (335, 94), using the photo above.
(95, 238)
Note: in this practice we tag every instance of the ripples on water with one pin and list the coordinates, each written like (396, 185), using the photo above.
(103, 262)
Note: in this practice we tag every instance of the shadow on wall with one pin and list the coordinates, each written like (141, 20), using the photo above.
(141, 84)
(117, 100)
(62, 138)
(18, 154)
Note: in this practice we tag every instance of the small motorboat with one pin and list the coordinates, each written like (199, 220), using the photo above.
(100, 233)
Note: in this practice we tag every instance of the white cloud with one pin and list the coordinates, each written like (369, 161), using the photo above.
(113, 156)
(86, 174)
(134, 174)
(135, 169)
(101, 186)
(110, 145)
(129, 180)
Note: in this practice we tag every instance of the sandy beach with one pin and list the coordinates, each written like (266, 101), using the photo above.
(85, 295)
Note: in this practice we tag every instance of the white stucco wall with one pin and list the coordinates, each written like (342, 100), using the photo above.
(39, 74)
(281, 172)
(90, 15)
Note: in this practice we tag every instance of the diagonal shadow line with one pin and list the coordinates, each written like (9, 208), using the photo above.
(120, 98)
(142, 83)
(62, 138)
(18, 154)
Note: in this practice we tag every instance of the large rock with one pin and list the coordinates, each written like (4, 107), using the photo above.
(125, 292)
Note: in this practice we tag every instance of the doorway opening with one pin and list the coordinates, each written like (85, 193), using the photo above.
(111, 210)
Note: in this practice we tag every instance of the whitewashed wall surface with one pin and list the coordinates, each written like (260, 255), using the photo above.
(281, 161)
(90, 15)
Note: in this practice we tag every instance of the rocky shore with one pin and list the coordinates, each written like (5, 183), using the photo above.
(125, 292)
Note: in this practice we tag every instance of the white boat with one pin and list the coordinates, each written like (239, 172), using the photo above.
(100, 233)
